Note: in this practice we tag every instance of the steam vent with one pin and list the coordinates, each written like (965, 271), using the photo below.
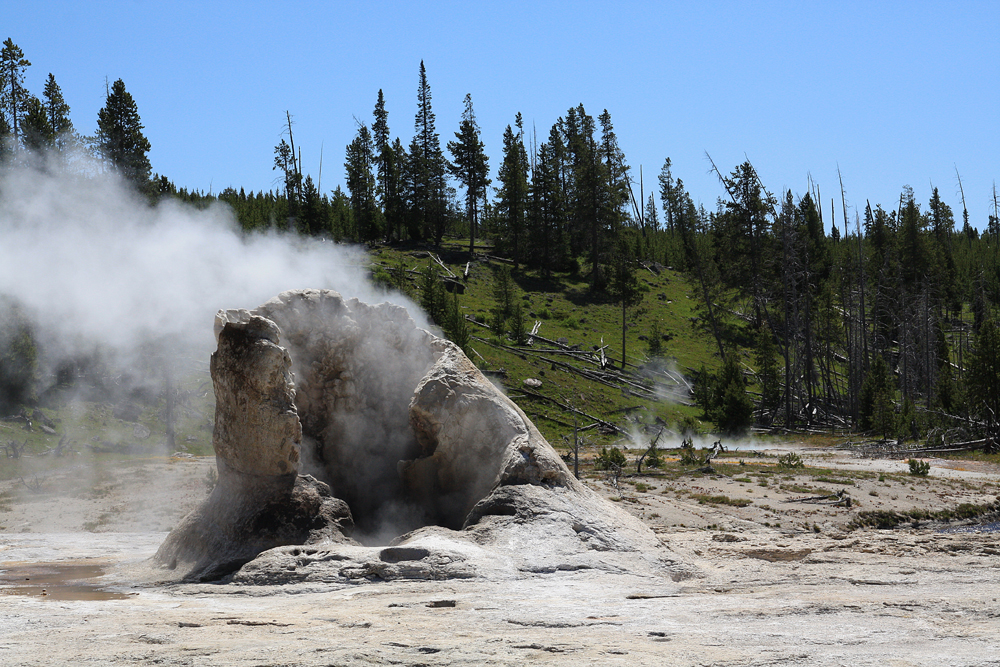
(353, 446)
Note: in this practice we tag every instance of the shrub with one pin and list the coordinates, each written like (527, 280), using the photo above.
(455, 326)
(18, 357)
(688, 426)
(790, 460)
(877, 409)
(919, 468)
(517, 326)
(653, 459)
(654, 345)
(608, 459)
(433, 298)
(689, 456)
(724, 399)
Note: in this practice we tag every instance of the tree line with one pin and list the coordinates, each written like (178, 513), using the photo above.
(30, 124)
(887, 323)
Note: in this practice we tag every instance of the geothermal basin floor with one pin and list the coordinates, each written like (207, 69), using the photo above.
(764, 594)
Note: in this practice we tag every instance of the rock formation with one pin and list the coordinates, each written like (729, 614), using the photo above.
(341, 424)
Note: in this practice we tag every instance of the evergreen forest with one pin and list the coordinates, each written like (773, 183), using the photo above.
(884, 322)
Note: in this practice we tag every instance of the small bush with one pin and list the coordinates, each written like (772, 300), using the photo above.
(653, 459)
(825, 479)
(689, 426)
(707, 499)
(498, 324)
(689, 456)
(18, 357)
(790, 460)
(919, 468)
(655, 341)
(608, 459)
(517, 325)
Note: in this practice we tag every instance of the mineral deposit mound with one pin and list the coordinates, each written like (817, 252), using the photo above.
(342, 426)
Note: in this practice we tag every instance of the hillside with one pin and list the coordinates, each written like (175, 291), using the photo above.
(575, 329)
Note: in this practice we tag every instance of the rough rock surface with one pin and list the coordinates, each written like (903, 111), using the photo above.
(259, 501)
(363, 410)
(257, 429)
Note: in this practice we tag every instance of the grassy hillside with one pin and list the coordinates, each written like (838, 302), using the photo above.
(574, 325)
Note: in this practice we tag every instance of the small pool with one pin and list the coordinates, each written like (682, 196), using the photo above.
(993, 527)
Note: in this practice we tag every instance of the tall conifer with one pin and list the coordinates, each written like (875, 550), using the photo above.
(120, 140)
(14, 97)
(470, 166)
(429, 187)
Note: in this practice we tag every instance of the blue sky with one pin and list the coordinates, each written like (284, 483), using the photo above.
(893, 93)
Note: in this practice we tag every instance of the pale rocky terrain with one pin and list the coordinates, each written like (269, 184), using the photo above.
(755, 594)
(361, 510)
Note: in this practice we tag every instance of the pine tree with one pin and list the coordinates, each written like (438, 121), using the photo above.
(315, 212)
(724, 399)
(470, 166)
(14, 97)
(120, 141)
(4, 137)
(913, 253)
(388, 163)
(57, 113)
(984, 379)
(394, 204)
(588, 195)
(455, 326)
(513, 194)
(625, 287)
(615, 197)
(942, 227)
(380, 138)
(684, 221)
(433, 298)
(36, 131)
(429, 203)
(18, 357)
(741, 231)
(413, 191)
(546, 235)
(650, 215)
(768, 374)
(361, 183)
(877, 401)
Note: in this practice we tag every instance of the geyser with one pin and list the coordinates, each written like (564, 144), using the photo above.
(340, 423)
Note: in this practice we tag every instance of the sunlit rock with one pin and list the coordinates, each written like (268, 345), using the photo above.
(341, 426)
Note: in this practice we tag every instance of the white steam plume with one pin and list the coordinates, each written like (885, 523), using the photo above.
(93, 263)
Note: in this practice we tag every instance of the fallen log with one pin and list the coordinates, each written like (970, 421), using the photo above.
(570, 408)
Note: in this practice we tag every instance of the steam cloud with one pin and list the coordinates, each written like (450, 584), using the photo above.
(93, 265)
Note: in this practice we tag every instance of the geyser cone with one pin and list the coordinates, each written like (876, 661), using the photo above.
(362, 406)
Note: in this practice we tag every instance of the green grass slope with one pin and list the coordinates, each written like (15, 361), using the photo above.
(575, 325)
